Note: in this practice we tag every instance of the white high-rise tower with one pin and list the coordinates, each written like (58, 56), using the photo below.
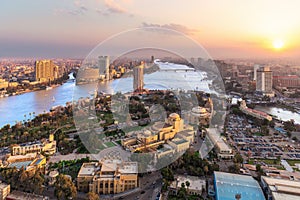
(104, 66)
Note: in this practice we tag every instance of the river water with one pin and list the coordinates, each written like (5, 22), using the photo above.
(281, 114)
(13, 108)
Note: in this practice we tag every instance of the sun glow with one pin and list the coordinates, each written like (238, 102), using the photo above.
(278, 44)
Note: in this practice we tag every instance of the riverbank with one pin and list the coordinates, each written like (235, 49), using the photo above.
(29, 87)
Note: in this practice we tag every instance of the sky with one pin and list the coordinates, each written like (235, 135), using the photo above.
(225, 29)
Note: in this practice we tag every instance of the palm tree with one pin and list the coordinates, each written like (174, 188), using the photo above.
(187, 183)
(238, 196)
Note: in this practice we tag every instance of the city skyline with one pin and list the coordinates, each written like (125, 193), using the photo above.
(228, 29)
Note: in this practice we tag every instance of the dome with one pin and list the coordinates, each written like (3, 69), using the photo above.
(147, 133)
(175, 116)
(199, 110)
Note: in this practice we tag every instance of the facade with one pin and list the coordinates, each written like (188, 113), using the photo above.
(173, 133)
(44, 70)
(138, 77)
(104, 66)
(4, 190)
(196, 185)
(3, 84)
(46, 146)
(108, 176)
(223, 150)
(279, 189)
(254, 113)
(292, 81)
(264, 81)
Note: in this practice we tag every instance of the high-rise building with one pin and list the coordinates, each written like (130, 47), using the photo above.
(138, 77)
(104, 66)
(264, 81)
(255, 68)
(44, 70)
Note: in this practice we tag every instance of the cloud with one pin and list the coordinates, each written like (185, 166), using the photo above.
(112, 7)
(172, 26)
(78, 9)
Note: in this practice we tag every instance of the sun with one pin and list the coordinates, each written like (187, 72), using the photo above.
(278, 44)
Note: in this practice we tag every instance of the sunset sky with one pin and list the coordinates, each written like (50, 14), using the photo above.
(226, 29)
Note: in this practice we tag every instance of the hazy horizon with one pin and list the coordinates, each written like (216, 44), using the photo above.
(226, 30)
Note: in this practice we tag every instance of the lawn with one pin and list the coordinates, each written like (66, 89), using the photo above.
(293, 162)
(267, 161)
(109, 144)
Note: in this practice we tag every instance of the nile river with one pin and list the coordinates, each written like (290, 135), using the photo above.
(281, 114)
(14, 108)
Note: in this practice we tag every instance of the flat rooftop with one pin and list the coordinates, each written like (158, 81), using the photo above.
(228, 185)
(88, 169)
(195, 182)
(283, 189)
(17, 195)
(178, 141)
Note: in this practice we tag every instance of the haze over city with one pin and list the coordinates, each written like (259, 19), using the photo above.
(226, 29)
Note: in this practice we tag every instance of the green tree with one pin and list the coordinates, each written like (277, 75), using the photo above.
(92, 196)
(64, 188)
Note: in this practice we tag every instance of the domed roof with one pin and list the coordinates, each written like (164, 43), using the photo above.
(174, 115)
(199, 110)
(147, 133)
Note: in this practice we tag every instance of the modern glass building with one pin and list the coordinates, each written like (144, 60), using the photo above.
(227, 186)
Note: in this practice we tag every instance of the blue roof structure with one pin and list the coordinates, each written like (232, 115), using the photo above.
(228, 185)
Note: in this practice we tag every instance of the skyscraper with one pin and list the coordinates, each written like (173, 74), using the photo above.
(44, 70)
(255, 68)
(138, 77)
(264, 81)
(104, 66)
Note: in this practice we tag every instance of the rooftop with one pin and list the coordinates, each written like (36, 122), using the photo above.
(88, 169)
(195, 182)
(228, 185)
(283, 189)
(17, 195)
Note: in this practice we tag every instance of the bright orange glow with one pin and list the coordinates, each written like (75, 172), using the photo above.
(278, 44)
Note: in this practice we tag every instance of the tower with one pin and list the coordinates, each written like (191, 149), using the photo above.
(44, 70)
(138, 77)
(104, 66)
(264, 81)
(255, 68)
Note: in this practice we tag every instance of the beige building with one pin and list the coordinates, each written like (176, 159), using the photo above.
(3, 84)
(159, 134)
(279, 189)
(4, 190)
(223, 150)
(254, 113)
(47, 146)
(108, 176)
(44, 70)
